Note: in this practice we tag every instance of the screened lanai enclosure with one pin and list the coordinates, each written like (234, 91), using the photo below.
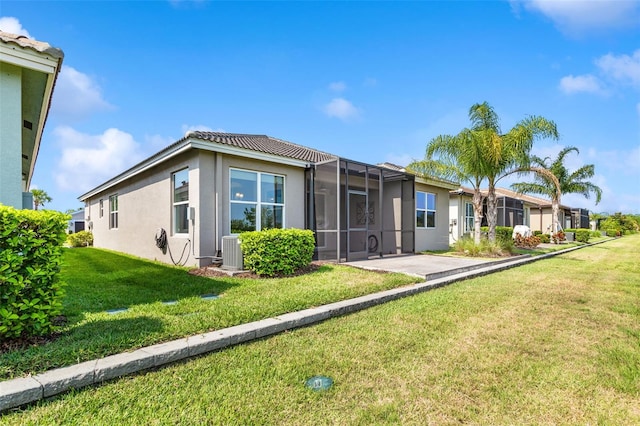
(358, 210)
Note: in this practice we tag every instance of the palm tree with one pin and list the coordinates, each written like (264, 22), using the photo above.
(505, 154)
(483, 152)
(459, 159)
(568, 183)
(40, 197)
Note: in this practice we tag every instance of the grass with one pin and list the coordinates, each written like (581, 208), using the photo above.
(99, 280)
(467, 248)
(553, 342)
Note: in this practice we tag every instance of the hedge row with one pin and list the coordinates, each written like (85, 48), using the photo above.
(277, 251)
(30, 257)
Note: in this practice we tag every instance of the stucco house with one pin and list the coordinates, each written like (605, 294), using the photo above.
(513, 209)
(76, 223)
(28, 72)
(208, 187)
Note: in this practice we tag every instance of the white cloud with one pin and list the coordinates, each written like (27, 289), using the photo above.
(624, 69)
(88, 160)
(615, 71)
(580, 16)
(342, 109)
(12, 25)
(580, 83)
(76, 95)
(338, 86)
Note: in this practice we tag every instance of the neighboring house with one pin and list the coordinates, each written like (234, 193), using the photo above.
(76, 224)
(211, 185)
(28, 72)
(513, 209)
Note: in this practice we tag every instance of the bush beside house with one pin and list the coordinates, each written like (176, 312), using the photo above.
(80, 239)
(277, 251)
(581, 235)
(30, 257)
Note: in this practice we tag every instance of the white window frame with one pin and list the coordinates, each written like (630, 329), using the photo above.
(113, 212)
(427, 210)
(258, 203)
(176, 204)
(469, 225)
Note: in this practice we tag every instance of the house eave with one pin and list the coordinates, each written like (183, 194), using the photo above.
(437, 182)
(152, 161)
(45, 61)
(247, 153)
(185, 145)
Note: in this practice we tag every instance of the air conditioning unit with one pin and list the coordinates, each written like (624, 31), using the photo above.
(232, 254)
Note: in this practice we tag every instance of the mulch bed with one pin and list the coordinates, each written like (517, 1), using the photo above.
(19, 343)
(213, 272)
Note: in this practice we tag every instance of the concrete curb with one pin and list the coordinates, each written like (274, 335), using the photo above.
(25, 390)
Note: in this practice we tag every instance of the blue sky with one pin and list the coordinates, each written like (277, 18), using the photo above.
(369, 81)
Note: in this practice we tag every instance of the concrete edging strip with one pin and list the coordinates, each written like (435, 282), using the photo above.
(25, 390)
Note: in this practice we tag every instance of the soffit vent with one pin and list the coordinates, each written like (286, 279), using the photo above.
(28, 125)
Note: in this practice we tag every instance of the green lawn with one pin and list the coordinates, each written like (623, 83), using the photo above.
(553, 342)
(99, 280)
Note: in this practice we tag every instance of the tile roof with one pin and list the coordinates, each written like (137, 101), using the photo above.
(392, 166)
(264, 144)
(524, 197)
(503, 192)
(25, 42)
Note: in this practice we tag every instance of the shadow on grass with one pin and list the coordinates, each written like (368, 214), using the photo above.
(99, 280)
(91, 340)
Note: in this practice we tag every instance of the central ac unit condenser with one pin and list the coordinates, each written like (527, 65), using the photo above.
(231, 253)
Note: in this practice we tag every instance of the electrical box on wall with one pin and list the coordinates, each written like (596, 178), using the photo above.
(191, 213)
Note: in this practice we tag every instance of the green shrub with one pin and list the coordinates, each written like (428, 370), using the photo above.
(537, 233)
(582, 235)
(30, 257)
(503, 233)
(468, 247)
(595, 234)
(613, 232)
(277, 251)
(80, 239)
(544, 238)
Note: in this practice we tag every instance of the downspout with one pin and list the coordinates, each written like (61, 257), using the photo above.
(380, 204)
(338, 233)
(216, 209)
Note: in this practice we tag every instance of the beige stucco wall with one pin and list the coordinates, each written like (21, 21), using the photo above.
(541, 219)
(294, 192)
(434, 238)
(456, 211)
(145, 205)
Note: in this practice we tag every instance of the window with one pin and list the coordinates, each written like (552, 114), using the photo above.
(113, 212)
(101, 208)
(425, 210)
(468, 217)
(180, 181)
(256, 201)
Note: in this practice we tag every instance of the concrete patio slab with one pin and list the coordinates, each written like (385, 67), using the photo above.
(422, 265)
